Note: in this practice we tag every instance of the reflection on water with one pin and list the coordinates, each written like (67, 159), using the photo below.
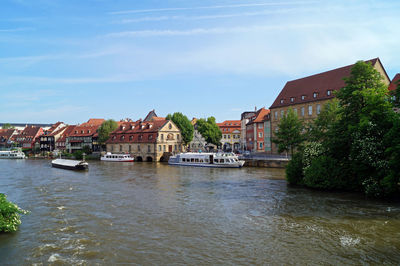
(156, 214)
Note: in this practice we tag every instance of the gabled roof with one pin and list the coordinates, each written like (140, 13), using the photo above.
(150, 115)
(94, 122)
(260, 116)
(320, 84)
(7, 133)
(66, 133)
(395, 82)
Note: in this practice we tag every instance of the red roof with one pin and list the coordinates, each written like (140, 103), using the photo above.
(319, 84)
(260, 117)
(6, 133)
(28, 135)
(94, 122)
(138, 131)
(229, 126)
(66, 133)
(395, 82)
(84, 130)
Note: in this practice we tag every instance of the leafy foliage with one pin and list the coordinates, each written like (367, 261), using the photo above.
(105, 129)
(289, 135)
(184, 124)
(10, 217)
(294, 169)
(209, 130)
(355, 143)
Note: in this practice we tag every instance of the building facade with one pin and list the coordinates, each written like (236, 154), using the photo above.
(231, 135)
(244, 119)
(83, 136)
(27, 137)
(152, 140)
(307, 96)
(47, 141)
(255, 131)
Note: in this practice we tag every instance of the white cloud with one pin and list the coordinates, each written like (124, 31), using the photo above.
(211, 7)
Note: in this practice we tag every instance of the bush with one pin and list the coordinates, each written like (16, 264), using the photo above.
(78, 155)
(9, 215)
(324, 173)
(294, 170)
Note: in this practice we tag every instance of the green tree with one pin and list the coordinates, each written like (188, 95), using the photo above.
(105, 129)
(289, 135)
(9, 215)
(7, 126)
(209, 130)
(184, 124)
(359, 140)
(320, 126)
(396, 96)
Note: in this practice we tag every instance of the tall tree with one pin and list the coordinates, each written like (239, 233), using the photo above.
(184, 124)
(317, 130)
(289, 135)
(209, 130)
(105, 129)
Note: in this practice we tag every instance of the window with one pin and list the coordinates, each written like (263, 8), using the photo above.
(315, 94)
(261, 145)
(229, 136)
(130, 137)
(177, 136)
(282, 113)
(138, 147)
(175, 147)
(302, 111)
(170, 126)
(260, 126)
(328, 92)
(150, 137)
(303, 97)
(159, 148)
(318, 109)
(148, 148)
(120, 147)
(260, 134)
(276, 129)
(224, 136)
(276, 115)
(164, 148)
(295, 111)
(162, 136)
(292, 99)
(281, 100)
(310, 110)
(130, 148)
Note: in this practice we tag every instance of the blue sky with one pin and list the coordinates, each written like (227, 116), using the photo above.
(71, 60)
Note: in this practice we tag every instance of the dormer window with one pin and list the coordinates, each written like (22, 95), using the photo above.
(150, 137)
(142, 127)
(315, 94)
(292, 99)
(130, 137)
(122, 137)
(140, 137)
(328, 92)
(76, 131)
(88, 131)
(82, 131)
(114, 138)
(132, 127)
(281, 100)
(303, 97)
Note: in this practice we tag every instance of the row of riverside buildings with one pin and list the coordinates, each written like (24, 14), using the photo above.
(155, 138)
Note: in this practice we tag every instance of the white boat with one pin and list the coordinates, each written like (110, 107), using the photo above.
(216, 160)
(109, 157)
(70, 164)
(13, 154)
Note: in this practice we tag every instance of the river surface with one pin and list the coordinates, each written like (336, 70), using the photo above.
(148, 213)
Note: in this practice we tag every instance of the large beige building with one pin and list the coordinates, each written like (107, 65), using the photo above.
(153, 139)
(307, 96)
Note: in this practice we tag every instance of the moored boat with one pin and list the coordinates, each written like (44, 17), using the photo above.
(70, 164)
(12, 154)
(215, 160)
(109, 157)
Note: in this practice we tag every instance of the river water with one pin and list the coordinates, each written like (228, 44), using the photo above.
(148, 213)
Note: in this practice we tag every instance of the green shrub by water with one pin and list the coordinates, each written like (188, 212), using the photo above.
(10, 217)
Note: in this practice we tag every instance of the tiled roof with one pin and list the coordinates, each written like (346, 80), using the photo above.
(66, 133)
(150, 116)
(260, 116)
(57, 132)
(94, 122)
(395, 82)
(28, 134)
(320, 84)
(137, 132)
(229, 126)
(84, 130)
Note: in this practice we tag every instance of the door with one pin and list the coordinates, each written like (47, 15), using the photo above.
(170, 148)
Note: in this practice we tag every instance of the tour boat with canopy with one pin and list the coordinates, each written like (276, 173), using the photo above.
(109, 157)
(215, 160)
